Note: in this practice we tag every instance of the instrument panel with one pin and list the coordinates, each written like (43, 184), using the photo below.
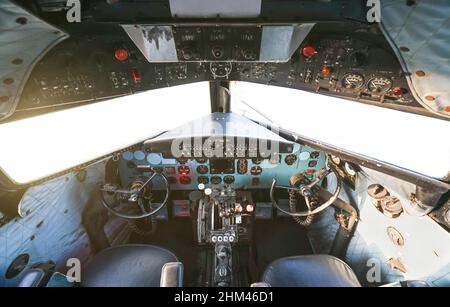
(242, 173)
(345, 61)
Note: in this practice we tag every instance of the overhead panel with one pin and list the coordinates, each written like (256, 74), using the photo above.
(24, 40)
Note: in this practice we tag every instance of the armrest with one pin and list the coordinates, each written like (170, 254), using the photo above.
(172, 275)
(34, 278)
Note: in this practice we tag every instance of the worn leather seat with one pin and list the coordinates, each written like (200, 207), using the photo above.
(129, 266)
(310, 271)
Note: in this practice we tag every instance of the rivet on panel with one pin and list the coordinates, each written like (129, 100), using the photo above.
(420, 73)
(17, 61)
(21, 20)
(8, 81)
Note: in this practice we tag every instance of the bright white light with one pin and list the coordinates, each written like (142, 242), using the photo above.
(37, 147)
(410, 141)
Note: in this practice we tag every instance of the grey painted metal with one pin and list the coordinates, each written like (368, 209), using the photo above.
(278, 43)
(156, 42)
(420, 36)
(24, 39)
(50, 223)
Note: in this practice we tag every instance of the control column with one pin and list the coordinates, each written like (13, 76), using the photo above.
(222, 262)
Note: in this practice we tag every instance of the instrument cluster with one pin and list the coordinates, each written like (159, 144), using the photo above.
(241, 173)
(353, 62)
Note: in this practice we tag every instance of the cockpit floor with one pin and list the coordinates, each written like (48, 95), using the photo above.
(271, 240)
(277, 239)
(178, 237)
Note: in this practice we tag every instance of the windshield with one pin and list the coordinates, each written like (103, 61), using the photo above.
(40, 146)
(386, 135)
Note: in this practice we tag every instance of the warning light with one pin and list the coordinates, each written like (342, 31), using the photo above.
(398, 91)
(121, 54)
(308, 51)
(326, 70)
(136, 74)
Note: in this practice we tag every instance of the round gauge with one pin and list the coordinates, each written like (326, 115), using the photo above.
(256, 170)
(353, 81)
(127, 155)
(312, 163)
(336, 160)
(290, 159)
(202, 169)
(256, 161)
(304, 155)
(242, 165)
(349, 169)
(201, 160)
(228, 179)
(139, 155)
(183, 169)
(154, 158)
(203, 179)
(315, 155)
(216, 180)
(182, 160)
(185, 180)
(379, 84)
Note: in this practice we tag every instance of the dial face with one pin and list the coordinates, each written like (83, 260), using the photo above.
(183, 169)
(242, 166)
(380, 84)
(154, 158)
(216, 180)
(201, 160)
(256, 161)
(256, 170)
(203, 179)
(127, 155)
(139, 155)
(353, 81)
(228, 179)
(312, 163)
(315, 155)
(185, 180)
(290, 159)
(202, 169)
(182, 160)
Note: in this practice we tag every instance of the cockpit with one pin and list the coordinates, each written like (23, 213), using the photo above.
(224, 144)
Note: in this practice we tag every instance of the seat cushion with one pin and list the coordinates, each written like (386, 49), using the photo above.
(127, 266)
(310, 271)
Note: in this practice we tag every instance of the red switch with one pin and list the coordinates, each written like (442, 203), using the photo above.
(308, 51)
(136, 74)
(121, 54)
(326, 70)
(398, 91)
